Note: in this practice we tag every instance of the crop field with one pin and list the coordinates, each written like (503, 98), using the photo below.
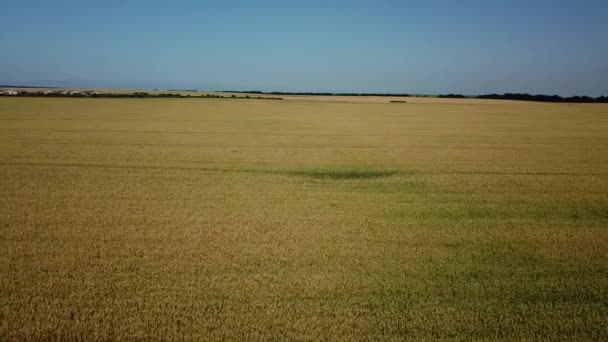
(309, 218)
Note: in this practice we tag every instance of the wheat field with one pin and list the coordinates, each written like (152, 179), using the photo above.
(311, 218)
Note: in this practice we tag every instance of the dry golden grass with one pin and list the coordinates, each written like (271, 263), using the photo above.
(308, 218)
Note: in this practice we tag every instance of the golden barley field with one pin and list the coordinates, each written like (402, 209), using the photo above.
(311, 218)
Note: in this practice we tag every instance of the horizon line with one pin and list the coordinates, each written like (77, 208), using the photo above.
(319, 93)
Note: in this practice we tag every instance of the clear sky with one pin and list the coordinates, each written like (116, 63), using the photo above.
(431, 46)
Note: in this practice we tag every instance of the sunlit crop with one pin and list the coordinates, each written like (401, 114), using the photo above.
(308, 218)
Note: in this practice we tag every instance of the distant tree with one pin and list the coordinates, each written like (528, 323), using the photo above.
(452, 96)
(541, 98)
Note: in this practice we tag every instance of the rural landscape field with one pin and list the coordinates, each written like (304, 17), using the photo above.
(310, 218)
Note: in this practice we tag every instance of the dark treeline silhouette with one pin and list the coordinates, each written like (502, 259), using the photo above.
(452, 96)
(315, 93)
(508, 96)
(545, 98)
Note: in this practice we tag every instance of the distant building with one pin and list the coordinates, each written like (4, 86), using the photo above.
(9, 92)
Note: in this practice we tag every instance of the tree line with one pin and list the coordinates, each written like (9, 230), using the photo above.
(507, 96)
(545, 98)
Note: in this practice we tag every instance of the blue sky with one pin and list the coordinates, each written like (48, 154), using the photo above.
(432, 46)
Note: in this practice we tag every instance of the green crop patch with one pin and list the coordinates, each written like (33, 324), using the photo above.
(344, 173)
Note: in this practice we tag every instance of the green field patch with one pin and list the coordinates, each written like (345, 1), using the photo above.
(344, 172)
(457, 207)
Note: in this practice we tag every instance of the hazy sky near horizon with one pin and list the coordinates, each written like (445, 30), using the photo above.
(433, 46)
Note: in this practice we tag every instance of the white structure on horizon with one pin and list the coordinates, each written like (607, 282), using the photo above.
(9, 92)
